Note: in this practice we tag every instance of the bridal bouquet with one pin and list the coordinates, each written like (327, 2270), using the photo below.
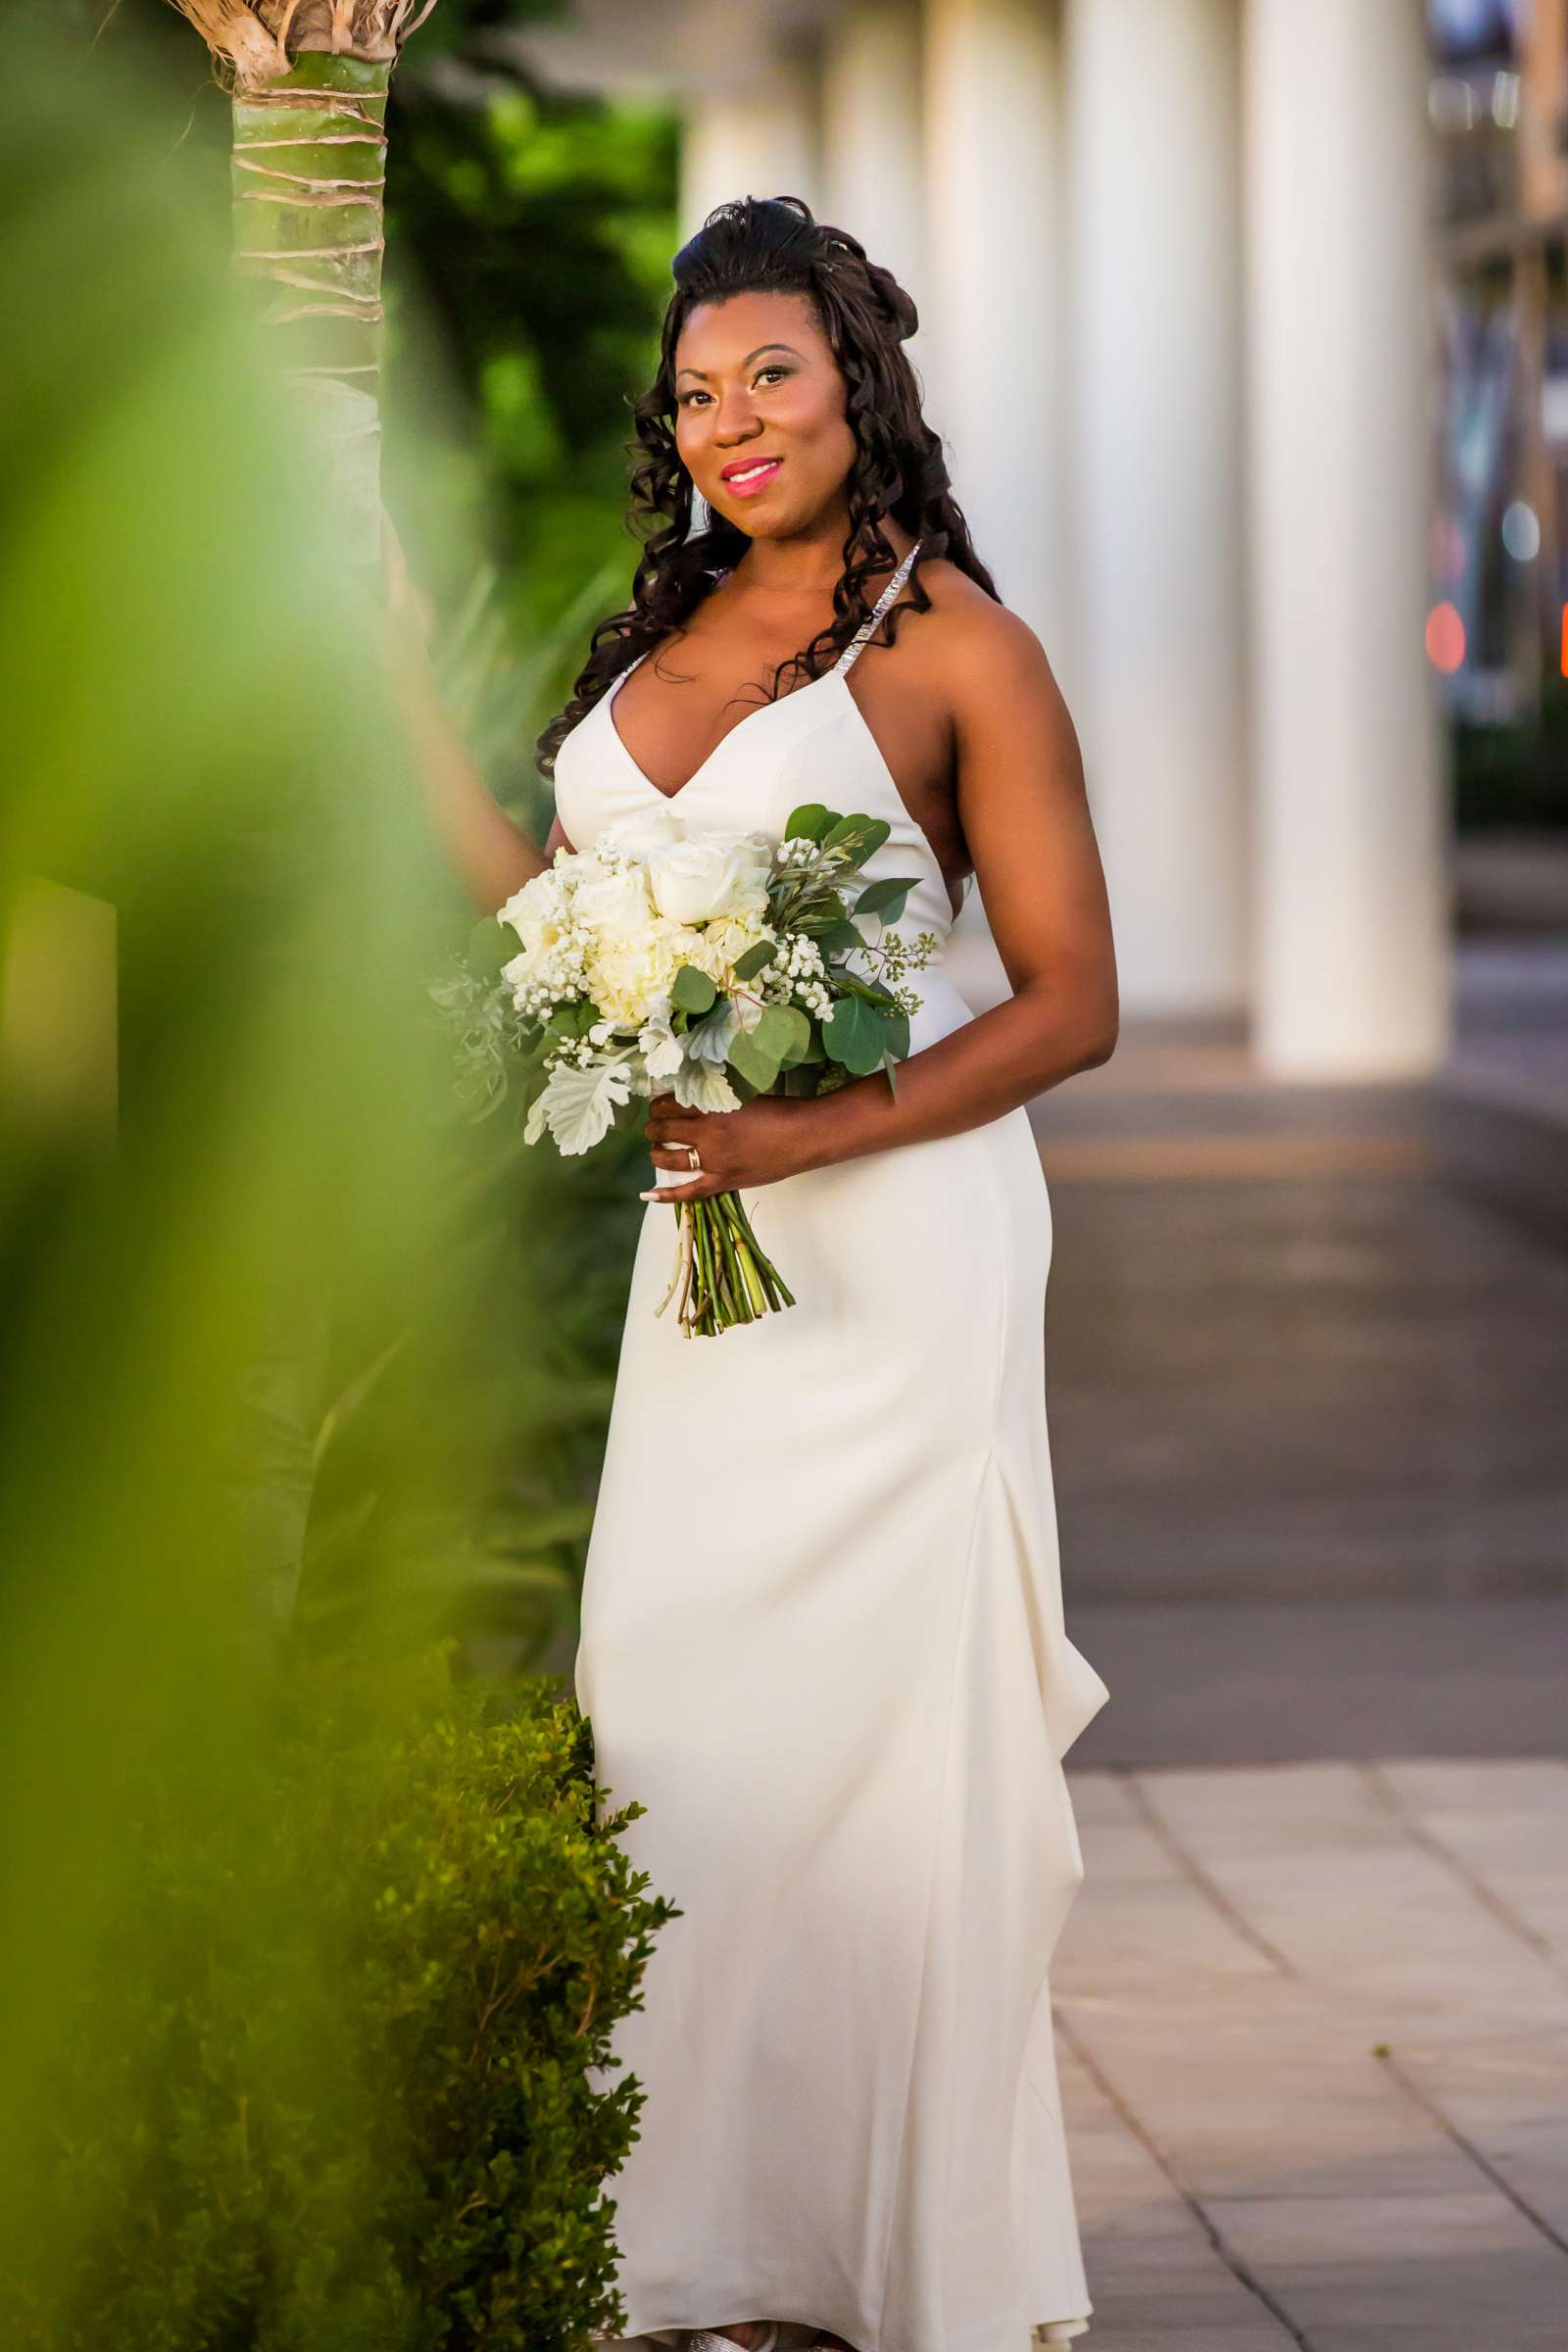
(707, 965)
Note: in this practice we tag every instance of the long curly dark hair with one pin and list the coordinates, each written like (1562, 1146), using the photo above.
(775, 245)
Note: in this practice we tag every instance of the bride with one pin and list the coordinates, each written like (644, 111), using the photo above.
(837, 1679)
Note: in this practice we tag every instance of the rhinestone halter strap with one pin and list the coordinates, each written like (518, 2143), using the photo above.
(847, 658)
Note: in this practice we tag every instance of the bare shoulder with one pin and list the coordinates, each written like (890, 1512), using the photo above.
(991, 674)
(976, 647)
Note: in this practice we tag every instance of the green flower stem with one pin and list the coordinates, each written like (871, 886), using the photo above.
(737, 1305)
(730, 1206)
(702, 1233)
(733, 1281)
(725, 1308)
(754, 1288)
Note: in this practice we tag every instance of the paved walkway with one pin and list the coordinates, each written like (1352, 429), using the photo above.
(1288, 1355)
(1306, 1385)
(1314, 2028)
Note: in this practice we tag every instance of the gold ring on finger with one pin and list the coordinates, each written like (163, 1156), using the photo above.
(693, 1159)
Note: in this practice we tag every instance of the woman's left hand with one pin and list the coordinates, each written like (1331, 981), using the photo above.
(759, 1142)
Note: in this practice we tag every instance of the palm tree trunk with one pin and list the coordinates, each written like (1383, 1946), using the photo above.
(310, 79)
(309, 174)
(309, 82)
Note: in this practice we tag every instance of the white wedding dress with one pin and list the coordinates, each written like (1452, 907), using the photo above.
(822, 1643)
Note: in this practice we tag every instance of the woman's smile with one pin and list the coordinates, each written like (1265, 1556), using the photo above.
(750, 475)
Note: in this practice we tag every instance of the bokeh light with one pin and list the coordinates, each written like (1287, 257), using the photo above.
(1446, 639)
(1521, 531)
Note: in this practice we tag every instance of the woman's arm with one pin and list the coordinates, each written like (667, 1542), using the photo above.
(1025, 817)
(490, 856)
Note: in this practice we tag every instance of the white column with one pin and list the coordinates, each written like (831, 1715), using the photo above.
(997, 318)
(873, 159)
(1352, 977)
(755, 135)
(1154, 351)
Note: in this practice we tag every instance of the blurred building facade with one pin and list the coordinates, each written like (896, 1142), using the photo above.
(1176, 272)
(1499, 114)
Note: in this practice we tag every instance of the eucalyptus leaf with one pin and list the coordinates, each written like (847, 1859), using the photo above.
(840, 938)
(692, 989)
(855, 1036)
(785, 1030)
(897, 1026)
(756, 960)
(810, 822)
(884, 900)
(890, 1064)
(751, 1058)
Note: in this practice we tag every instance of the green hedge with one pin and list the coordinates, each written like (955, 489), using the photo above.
(336, 2090)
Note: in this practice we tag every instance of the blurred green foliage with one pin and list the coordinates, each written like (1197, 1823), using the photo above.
(529, 236)
(526, 1327)
(255, 1306)
(535, 232)
(369, 2121)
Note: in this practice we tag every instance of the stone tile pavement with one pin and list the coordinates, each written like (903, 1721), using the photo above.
(1307, 1364)
(1313, 2022)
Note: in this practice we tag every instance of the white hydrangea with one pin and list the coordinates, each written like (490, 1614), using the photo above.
(630, 973)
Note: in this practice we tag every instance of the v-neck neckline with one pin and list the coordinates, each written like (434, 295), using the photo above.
(777, 702)
(635, 768)
(840, 670)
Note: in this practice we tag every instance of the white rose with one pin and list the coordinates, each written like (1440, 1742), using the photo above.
(537, 913)
(711, 875)
(541, 899)
(640, 836)
(524, 970)
(614, 905)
